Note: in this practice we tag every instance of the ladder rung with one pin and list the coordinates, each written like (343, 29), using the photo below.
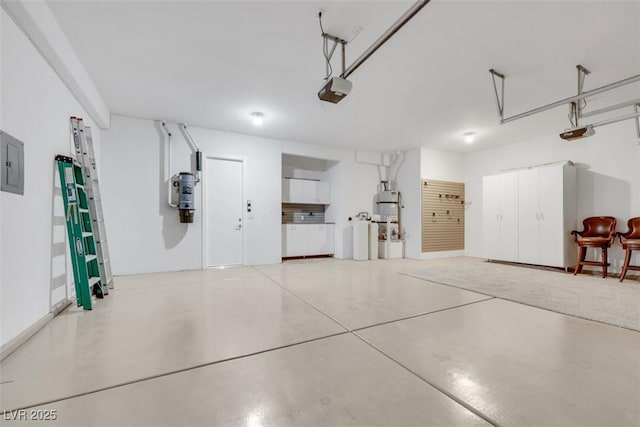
(86, 234)
(93, 280)
(90, 257)
(83, 210)
(80, 186)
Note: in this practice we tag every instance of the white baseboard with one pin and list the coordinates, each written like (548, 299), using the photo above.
(12, 345)
(443, 254)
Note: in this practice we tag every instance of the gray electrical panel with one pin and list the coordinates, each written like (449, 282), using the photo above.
(12, 165)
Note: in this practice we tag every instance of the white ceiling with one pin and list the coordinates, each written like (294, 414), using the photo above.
(212, 63)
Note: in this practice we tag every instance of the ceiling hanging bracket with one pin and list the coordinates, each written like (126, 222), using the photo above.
(582, 74)
(499, 93)
(336, 41)
(565, 101)
(576, 107)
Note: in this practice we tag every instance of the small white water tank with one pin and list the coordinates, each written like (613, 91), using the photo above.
(361, 240)
(373, 240)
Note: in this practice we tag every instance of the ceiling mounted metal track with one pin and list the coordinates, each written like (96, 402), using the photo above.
(565, 101)
(576, 107)
(417, 6)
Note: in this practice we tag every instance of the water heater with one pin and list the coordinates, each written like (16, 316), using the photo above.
(388, 203)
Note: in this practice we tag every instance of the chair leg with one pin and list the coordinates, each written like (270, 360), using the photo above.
(604, 262)
(625, 267)
(582, 253)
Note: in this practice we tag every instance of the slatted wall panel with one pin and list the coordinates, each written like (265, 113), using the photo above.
(442, 216)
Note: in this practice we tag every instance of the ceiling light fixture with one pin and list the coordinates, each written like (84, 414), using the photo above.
(257, 118)
(469, 137)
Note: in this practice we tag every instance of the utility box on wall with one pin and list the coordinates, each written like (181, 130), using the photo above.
(12, 165)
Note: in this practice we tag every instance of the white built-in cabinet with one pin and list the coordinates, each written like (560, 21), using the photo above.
(528, 215)
(500, 216)
(305, 191)
(307, 239)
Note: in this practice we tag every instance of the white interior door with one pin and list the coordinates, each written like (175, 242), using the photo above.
(224, 212)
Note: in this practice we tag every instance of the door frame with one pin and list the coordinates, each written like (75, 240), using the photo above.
(205, 206)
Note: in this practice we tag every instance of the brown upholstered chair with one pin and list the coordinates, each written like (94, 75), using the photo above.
(599, 232)
(630, 241)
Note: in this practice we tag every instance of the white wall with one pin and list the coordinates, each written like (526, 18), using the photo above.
(441, 165)
(353, 187)
(144, 232)
(420, 164)
(36, 107)
(408, 183)
(608, 178)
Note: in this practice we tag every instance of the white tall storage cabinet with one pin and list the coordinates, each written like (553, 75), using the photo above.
(500, 216)
(528, 215)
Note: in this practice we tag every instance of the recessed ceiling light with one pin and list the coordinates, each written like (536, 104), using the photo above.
(257, 118)
(469, 137)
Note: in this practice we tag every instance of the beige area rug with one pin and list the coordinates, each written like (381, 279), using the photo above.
(588, 297)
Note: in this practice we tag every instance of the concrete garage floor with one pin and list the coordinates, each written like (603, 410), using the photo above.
(320, 342)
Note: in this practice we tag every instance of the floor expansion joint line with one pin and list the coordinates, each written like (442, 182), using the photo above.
(441, 390)
(446, 284)
(520, 302)
(421, 314)
(177, 371)
(347, 329)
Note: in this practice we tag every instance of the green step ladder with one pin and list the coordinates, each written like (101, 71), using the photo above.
(82, 246)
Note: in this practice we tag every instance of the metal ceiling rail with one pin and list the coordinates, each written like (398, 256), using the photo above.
(616, 119)
(413, 10)
(565, 101)
(610, 108)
